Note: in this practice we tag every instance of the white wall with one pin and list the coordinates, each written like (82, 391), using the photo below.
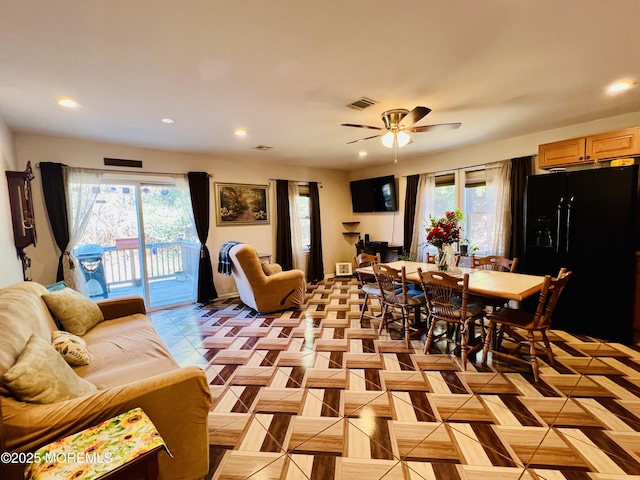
(389, 226)
(334, 195)
(11, 270)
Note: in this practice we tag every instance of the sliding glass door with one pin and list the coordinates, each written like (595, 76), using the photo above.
(140, 239)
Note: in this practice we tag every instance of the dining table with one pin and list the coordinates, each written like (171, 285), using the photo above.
(488, 283)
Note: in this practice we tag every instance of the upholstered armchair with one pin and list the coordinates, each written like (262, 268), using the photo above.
(265, 293)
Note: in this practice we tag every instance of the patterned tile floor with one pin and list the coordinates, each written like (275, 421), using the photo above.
(310, 394)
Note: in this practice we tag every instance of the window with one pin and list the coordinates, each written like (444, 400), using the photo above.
(445, 196)
(144, 237)
(467, 191)
(444, 200)
(476, 210)
(303, 207)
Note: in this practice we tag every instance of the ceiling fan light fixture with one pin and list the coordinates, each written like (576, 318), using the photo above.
(388, 139)
(402, 138)
(398, 138)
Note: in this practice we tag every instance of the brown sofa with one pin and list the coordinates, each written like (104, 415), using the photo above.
(262, 292)
(130, 366)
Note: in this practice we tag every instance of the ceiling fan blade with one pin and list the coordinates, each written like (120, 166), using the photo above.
(367, 138)
(414, 116)
(360, 126)
(432, 128)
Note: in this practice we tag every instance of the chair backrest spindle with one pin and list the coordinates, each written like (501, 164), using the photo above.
(366, 260)
(494, 262)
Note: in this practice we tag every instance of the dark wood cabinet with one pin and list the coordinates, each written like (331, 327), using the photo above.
(22, 217)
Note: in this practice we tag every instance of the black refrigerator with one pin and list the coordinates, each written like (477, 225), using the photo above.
(587, 221)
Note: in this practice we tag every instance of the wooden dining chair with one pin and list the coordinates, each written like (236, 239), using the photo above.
(538, 321)
(494, 262)
(447, 299)
(394, 298)
(431, 258)
(368, 283)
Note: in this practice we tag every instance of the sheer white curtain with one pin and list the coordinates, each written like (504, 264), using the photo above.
(82, 188)
(191, 257)
(424, 209)
(296, 229)
(498, 176)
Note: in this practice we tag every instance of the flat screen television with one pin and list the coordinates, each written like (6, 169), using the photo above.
(374, 194)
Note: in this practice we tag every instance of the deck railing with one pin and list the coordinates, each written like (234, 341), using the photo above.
(164, 260)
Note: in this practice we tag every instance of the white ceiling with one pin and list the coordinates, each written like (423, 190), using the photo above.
(285, 69)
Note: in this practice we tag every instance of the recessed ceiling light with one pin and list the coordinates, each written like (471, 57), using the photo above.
(362, 153)
(168, 120)
(240, 132)
(619, 87)
(68, 102)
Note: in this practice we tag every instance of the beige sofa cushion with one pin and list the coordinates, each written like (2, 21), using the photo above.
(76, 313)
(22, 314)
(42, 376)
(130, 347)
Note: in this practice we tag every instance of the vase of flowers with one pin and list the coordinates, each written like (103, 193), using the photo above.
(442, 233)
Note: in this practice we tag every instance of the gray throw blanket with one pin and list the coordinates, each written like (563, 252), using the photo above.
(224, 262)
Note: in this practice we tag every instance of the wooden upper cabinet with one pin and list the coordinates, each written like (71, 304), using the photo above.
(605, 146)
(559, 154)
(622, 143)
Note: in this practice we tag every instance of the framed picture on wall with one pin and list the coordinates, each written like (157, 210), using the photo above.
(240, 204)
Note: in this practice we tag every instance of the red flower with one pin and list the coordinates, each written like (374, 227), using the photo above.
(445, 230)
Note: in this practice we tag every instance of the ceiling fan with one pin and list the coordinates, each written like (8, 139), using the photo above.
(398, 123)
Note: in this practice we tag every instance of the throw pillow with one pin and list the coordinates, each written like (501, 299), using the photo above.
(271, 268)
(76, 313)
(72, 348)
(54, 288)
(40, 375)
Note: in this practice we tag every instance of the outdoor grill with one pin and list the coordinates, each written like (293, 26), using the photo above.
(90, 256)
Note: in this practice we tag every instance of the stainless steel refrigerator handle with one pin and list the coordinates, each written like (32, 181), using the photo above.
(558, 215)
(569, 204)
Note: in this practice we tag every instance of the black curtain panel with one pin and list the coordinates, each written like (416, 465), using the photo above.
(200, 194)
(521, 168)
(55, 199)
(410, 200)
(315, 269)
(284, 251)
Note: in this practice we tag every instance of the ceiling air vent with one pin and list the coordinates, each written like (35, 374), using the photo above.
(264, 148)
(361, 103)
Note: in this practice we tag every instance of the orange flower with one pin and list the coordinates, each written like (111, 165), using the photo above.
(128, 421)
(78, 472)
(95, 446)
